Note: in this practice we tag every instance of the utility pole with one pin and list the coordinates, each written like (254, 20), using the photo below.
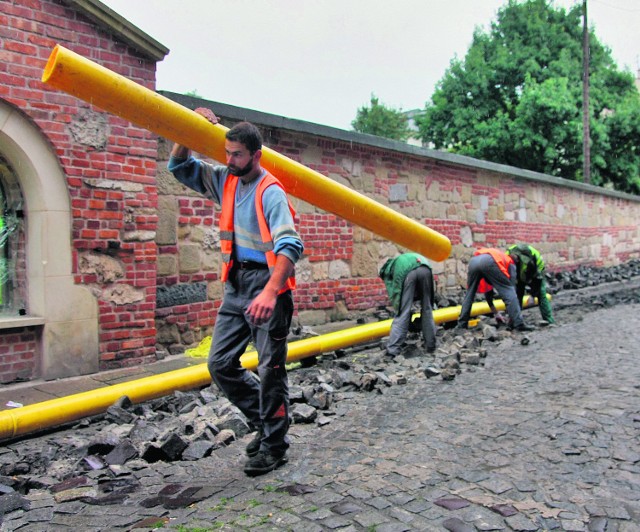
(586, 130)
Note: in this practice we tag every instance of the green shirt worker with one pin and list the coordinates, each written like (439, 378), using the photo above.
(531, 273)
(408, 278)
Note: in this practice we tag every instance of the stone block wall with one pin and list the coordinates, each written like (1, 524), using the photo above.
(188, 267)
(473, 203)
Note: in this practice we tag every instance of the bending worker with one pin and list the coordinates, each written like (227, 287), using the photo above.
(531, 273)
(407, 278)
(491, 268)
(260, 246)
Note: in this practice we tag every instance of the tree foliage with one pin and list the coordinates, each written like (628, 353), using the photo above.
(381, 121)
(516, 99)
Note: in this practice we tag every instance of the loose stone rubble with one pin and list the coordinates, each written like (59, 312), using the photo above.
(99, 461)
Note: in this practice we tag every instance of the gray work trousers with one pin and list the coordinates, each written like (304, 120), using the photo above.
(484, 267)
(418, 284)
(263, 400)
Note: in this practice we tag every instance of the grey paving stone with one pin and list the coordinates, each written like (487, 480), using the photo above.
(417, 506)
(335, 522)
(392, 527)
(319, 514)
(453, 524)
(499, 435)
(379, 503)
(16, 522)
(617, 512)
(521, 523)
(284, 520)
(402, 515)
(358, 493)
(370, 519)
(305, 526)
(346, 507)
(40, 515)
(496, 485)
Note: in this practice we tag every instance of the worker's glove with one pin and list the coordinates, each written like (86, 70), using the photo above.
(501, 319)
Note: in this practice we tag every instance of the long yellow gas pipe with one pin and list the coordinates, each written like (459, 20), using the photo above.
(366, 333)
(33, 418)
(118, 95)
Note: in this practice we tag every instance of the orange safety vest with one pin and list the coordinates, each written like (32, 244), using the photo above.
(502, 260)
(226, 225)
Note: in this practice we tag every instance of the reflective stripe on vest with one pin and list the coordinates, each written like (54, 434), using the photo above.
(226, 225)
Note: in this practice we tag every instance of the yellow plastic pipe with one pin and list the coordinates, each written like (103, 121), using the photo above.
(33, 418)
(118, 95)
(340, 339)
(39, 416)
(365, 333)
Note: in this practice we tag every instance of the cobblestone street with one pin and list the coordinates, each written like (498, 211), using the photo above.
(544, 436)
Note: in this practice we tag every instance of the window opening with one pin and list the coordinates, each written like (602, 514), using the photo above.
(13, 279)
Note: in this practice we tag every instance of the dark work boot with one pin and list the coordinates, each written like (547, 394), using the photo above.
(263, 462)
(253, 447)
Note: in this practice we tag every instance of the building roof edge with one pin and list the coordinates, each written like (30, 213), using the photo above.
(112, 22)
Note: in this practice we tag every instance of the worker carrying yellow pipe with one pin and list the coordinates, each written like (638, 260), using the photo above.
(118, 95)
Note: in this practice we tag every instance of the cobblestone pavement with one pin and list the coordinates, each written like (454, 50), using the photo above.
(544, 436)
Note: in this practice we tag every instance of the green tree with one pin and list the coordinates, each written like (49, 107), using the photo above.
(623, 157)
(516, 99)
(381, 121)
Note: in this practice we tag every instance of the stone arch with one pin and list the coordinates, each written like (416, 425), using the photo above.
(66, 312)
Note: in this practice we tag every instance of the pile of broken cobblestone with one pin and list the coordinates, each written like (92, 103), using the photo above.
(89, 461)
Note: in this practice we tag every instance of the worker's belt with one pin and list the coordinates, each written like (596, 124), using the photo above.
(250, 265)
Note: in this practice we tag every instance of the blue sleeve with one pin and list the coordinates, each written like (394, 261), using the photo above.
(286, 240)
(200, 176)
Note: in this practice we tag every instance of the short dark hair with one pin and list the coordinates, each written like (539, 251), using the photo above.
(246, 133)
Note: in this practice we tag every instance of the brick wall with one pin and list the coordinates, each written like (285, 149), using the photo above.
(19, 352)
(148, 249)
(472, 202)
(110, 167)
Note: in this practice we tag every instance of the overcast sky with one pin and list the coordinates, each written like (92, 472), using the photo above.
(320, 60)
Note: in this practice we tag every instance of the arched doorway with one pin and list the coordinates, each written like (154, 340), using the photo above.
(67, 314)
